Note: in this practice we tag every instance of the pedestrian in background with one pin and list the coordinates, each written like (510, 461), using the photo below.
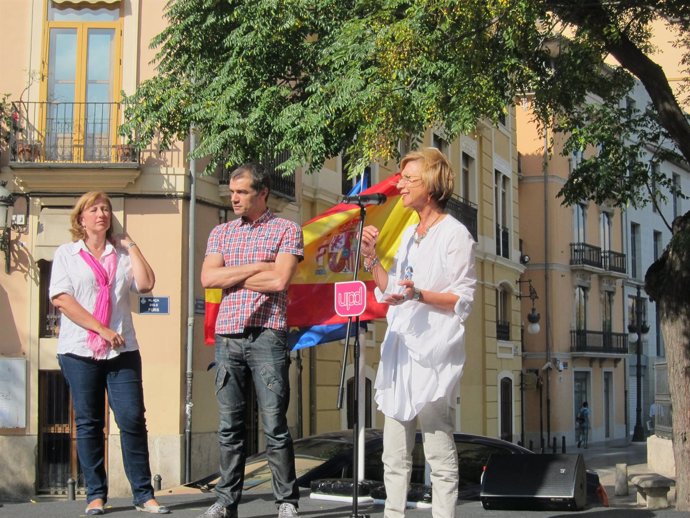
(253, 258)
(430, 289)
(97, 347)
(582, 420)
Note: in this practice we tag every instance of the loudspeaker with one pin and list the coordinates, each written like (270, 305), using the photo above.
(538, 482)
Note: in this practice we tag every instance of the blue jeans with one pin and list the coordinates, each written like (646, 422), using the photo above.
(88, 379)
(260, 355)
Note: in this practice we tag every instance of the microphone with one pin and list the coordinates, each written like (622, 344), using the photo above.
(365, 199)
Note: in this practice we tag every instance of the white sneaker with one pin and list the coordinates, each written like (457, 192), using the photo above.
(218, 511)
(287, 510)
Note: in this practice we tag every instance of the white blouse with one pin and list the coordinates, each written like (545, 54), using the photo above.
(423, 352)
(71, 275)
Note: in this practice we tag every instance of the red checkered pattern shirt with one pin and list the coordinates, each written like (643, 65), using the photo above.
(242, 242)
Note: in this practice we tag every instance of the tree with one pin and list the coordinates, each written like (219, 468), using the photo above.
(320, 77)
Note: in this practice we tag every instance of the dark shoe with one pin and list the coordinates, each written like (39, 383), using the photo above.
(152, 508)
(218, 511)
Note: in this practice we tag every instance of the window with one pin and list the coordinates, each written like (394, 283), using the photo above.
(605, 231)
(347, 184)
(466, 176)
(607, 314)
(441, 144)
(579, 223)
(580, 308)
(635, 251)
(676, 195)
(632, 310)
(502, 314)
(660, 350)
(658, 245)
(654, 171)
(501, 204)
(503, 118)
(408, 144)
(82, 82)
(581, 383)
(574, 160)
(630, 104)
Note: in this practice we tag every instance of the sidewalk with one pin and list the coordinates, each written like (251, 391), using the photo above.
(188, 503)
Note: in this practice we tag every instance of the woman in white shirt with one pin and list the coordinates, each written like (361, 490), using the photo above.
(97, 346)
(430, 289)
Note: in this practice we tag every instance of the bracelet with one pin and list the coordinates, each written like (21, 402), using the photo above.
(369, 267)
(131, 244)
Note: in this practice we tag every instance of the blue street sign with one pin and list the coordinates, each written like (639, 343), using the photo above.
(154, 305)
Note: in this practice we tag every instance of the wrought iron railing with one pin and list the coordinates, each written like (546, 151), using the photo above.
(502, 330)
(583, 340)
(614, 261)
(70, 132)
(465, 212)
(281, 185)
(584, 254)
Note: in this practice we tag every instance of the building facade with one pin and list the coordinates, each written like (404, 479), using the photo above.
(578, 266)
(647, 233)
(66, 63)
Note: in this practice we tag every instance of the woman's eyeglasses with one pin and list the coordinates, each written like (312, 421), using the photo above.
(408, 179)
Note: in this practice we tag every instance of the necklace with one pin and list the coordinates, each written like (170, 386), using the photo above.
(419, 235)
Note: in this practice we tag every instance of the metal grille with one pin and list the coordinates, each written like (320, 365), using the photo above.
(57, 456)
(465, 212)
(69, 132)
(584, 254)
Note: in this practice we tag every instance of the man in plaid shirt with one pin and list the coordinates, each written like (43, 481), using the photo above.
(253, 259)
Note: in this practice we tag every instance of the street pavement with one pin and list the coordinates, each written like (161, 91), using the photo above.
(187, 503)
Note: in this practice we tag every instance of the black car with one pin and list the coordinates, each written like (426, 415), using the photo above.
(329, 456)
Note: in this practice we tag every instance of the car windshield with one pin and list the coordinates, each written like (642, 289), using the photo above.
(309, 454)
(331, 457)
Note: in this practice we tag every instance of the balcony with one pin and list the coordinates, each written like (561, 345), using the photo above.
(590, 257)
(598, 343)
(69, 133)
(57, 146)
(614, 261)
(465, 212)
(582, 254)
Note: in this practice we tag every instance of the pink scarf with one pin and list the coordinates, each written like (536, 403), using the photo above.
(104, 279)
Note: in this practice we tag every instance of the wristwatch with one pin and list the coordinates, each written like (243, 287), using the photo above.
(417, 295)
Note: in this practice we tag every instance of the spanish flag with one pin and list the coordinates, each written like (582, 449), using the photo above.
(212, 306)
(330, 246)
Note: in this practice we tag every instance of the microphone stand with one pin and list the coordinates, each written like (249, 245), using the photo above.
(356, 357)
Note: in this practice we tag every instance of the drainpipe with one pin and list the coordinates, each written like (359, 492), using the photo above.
(190, 312)
(547, 306)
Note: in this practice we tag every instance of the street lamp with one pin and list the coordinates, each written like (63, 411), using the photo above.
(532, 317)
(636, 330)
(532, 328)
(7, 221)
